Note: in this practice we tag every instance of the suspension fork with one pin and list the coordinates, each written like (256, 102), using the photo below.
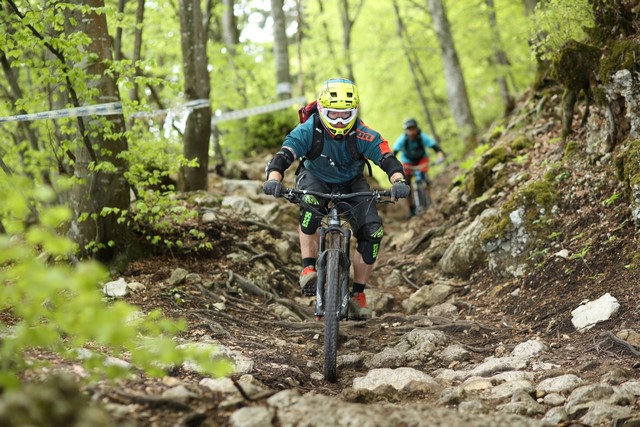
(345, 263)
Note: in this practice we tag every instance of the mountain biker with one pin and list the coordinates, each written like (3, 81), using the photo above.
(413, 144)
(335, 170)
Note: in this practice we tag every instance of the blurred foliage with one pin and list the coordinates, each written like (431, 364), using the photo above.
(53, 305)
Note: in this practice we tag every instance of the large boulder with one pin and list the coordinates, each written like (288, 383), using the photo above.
(243, 205)
(465, 254)
(428, 296)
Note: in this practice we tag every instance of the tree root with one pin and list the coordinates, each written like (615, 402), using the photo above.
(293, 278)
(261, 225)
(608, 335)
(409, 282)
(155, 401)
(245, 284)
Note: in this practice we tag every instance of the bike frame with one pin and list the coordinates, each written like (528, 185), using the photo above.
(343, 234)
(334, 228)
(333, 270)
(420, 186)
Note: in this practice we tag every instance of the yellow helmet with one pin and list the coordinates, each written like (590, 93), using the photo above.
(338, 102)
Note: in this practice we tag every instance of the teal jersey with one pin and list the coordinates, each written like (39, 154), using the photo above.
(408, 146)
(335, 165)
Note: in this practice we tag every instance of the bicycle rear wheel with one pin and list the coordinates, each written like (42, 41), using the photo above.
(332, 306)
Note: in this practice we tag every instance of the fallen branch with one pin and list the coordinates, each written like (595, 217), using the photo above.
(296, 308)
(299, 325)
(214, 327)
(258, 396)
(231, 319)
(406, 279)
(277, 263)
(261, 224)
(154, 400)
(246, 285)
(487, 349)
(621, 342)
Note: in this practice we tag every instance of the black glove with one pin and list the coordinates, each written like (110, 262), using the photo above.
(400, 189)
(273, 187)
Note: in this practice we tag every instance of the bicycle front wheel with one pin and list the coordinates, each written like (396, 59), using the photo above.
(332, 307)
(423, 199)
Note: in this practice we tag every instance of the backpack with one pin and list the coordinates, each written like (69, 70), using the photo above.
(414, 150)
(318, 136)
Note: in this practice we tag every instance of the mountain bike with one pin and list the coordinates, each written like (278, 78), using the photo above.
(419, 192)
(420, 189)
(332, 287)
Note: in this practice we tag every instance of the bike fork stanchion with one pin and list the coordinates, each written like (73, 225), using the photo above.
(322, 262)
(345, 264)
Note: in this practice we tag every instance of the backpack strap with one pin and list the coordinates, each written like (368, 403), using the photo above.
(318, 144)
(352, 145)
(318, 140)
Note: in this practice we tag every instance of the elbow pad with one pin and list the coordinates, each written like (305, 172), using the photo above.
(390, 164)
(280, 162)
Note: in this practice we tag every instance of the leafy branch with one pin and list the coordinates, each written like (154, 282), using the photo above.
(65, 68)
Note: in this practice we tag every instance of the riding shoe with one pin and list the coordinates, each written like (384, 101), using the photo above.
(358, 308)
(308, 279)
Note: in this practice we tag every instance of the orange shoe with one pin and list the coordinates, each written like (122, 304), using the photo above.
(308, 279)
(358, 308)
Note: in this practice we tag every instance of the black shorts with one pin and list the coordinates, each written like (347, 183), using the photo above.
(358, 211)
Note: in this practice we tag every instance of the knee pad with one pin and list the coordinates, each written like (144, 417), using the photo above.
(310, 221)
(369, 238)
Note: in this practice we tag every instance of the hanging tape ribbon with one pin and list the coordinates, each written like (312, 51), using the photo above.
(115, 108)
(89, 110)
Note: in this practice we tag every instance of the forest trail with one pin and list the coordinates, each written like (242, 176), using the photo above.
(435, 341)
(481, 347)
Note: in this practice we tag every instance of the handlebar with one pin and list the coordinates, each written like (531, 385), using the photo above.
(289, 193)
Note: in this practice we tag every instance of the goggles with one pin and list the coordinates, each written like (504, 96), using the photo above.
(334, 116)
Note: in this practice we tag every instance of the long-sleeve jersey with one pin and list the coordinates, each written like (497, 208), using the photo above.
(407, 146)
(335, 165)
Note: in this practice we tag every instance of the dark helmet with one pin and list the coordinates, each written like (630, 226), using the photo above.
(410, 123)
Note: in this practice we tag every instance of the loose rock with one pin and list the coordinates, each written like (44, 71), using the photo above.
(177, 276)
(116, 288)
(397, 378)
(586, 316)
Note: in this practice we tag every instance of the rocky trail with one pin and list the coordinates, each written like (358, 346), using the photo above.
(472, 324)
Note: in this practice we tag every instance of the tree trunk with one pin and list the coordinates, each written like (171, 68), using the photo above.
(106, 188)
(347, 28)
(137, 48)
(281, 50)
(347, 24)
(414, 74)
(299, 37)
(196, 86)
(529, 6)
(327, 36)
(230, 33)
(501, 61)
(454, 79)
(117, 43)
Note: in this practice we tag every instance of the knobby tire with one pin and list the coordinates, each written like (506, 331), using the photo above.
(423, 200)
(332, 306)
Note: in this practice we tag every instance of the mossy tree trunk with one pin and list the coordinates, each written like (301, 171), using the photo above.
(454, 80)
(281, 50)
(196, 86)
(102, 172)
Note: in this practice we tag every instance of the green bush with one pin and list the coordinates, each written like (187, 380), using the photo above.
(57, 307)
(267, 131)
